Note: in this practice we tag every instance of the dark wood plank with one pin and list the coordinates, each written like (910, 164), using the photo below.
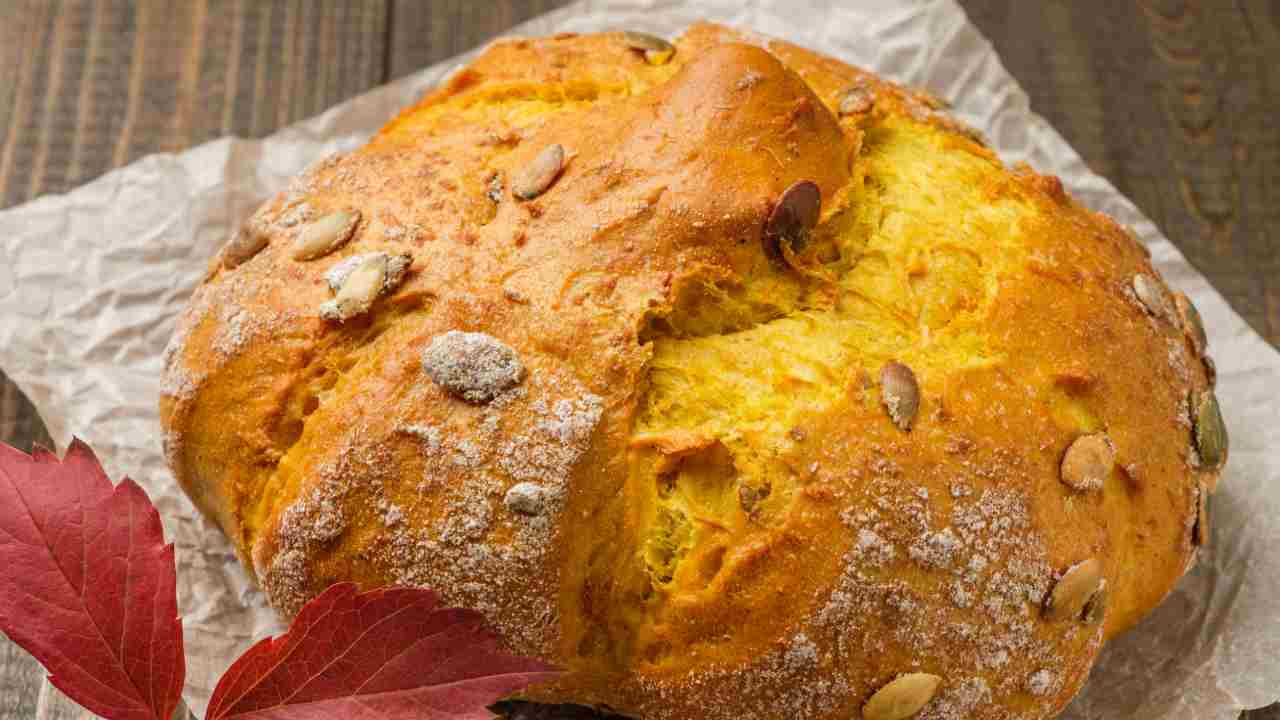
(96, 85)
(20, 425)
(1173, 101)
(426, 33)
(20, 681)
(21, 677)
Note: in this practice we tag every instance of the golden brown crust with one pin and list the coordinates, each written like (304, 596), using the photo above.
(762, 540)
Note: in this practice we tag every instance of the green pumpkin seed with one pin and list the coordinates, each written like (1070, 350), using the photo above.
(1192, 324)
(1210, 431)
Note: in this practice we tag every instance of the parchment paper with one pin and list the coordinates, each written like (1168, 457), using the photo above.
(92, 281)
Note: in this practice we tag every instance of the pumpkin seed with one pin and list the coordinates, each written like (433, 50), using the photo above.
(472, 365)
(397, 265)
(856, 100)
(540, 173)
(1192, 325)
(1078, 584)
(1211, 432)
(900, 393)
(1088, 462)
(1151, 295)
(1095, 611)
(656, 50)
(786, 231)
(360, 280)
(325, 235)
(360, 288)
(901, 698)
(248, 241)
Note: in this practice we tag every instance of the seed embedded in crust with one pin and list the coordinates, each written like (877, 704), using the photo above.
(474, 366)
(359, 289)
(900, 393)
(1095, 610)
(249, 241)
(1077, 585)
(644, 41)
(1151, 295)
(1088, 462)
(1210, 431)
(325, 235)
(539, 174)
(786, 231)
(656, 50)
(856, 100)
(397, 266)
(1192, 325)
(903, 697)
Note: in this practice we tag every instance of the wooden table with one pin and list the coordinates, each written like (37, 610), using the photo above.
(1173, 100)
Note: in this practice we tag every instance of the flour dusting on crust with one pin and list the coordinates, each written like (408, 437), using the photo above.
(474, 366)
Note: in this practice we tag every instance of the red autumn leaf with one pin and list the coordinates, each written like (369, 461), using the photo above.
(87, 585)
(386, 653)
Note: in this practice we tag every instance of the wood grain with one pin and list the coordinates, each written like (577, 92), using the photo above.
(1173, 100)
(96, 85)
(422, 34)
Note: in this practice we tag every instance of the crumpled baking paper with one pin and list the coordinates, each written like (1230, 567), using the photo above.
(91, 283)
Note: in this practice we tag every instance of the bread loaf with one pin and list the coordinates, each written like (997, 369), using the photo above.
(736, 381)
